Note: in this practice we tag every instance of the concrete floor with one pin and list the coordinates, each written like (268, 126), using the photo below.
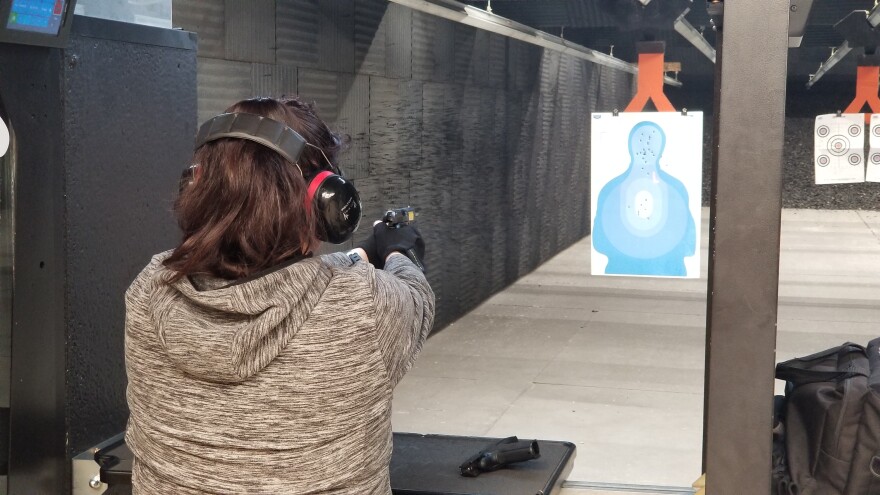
(615, 364)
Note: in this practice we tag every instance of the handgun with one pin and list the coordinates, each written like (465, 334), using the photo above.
(499, 454)
(399, 216)
(396, 217)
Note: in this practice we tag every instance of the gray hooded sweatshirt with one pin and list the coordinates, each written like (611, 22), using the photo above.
(280, 384)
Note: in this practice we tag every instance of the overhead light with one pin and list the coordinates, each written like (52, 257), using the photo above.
(644, 2)
(480, 19)
(690, 33)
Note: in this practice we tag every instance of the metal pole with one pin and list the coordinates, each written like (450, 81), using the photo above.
(744, 246)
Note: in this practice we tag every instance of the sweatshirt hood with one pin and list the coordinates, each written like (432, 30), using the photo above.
(225, 332)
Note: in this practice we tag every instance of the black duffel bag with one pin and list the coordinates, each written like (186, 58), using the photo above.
(827, 429)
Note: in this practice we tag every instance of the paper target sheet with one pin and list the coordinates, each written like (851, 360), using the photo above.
(646, 178)
(839, 148)
(872, 169)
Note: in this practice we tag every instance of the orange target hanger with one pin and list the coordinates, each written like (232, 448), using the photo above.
(867, 87)
(650, 79)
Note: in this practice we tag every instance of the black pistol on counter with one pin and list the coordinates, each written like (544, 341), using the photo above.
(500, 454)
(403, 216)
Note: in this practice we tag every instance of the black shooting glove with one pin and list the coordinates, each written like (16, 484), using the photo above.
(404, 239)
(369, 247)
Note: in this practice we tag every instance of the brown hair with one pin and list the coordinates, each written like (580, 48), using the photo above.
(245, 212)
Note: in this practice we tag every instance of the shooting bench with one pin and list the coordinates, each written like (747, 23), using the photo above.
(420, 465)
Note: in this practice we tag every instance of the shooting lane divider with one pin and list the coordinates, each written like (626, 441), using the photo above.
(650, 79)
(867, 87)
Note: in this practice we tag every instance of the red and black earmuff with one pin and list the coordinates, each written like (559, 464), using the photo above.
(334, 199)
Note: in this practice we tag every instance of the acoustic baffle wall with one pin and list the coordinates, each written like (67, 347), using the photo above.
(487, 137)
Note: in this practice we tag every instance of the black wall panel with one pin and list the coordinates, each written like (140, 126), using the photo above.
(570, 112)
(336, 32)
(579, 204)
(395, 126)
(398, 41)
(523, 61)
(297, 24)
(496, 75)
(206, 17)
(221, 83)
(370, 36)
(554, 219)
(525, 187)
(472, 174)
(494, 192)
(250, 30)
(433, 192)
(103, 130)
(321, 88)
(542, 232)
(622, 85)
(433, 48)
(471, 56)
(273, 79)
(353, 119)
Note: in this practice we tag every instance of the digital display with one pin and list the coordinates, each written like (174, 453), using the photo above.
(36, 16)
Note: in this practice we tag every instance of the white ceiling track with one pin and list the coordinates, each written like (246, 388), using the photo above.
(487, 21)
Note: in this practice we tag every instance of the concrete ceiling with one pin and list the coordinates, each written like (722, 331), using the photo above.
(599, 24)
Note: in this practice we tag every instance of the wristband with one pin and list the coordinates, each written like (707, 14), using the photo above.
(354, 256)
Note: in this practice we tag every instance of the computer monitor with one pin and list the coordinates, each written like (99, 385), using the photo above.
(36, 22)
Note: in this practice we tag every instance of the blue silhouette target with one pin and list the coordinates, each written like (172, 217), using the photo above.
(643, 221)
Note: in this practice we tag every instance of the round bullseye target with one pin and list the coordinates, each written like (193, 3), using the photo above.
(823, 160)
(855, 159)
(875, 158)
(875, 130)
(855, 130)
(822, 131)
(838, 145)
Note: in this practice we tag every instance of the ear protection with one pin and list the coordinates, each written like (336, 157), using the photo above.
(334, 199)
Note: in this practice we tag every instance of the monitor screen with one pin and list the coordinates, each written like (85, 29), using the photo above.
(36, 22)
(36, 16)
